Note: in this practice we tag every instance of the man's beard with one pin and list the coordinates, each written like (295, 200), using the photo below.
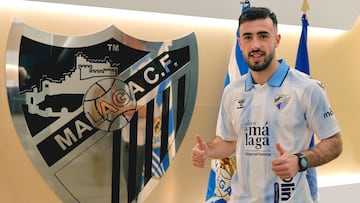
(257, 67)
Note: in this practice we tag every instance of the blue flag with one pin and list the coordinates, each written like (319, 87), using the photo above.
(302, 64)
(219, 186)
(302, 58)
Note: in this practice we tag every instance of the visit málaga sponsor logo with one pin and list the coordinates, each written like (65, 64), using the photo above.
(257, 139)
(256, 136)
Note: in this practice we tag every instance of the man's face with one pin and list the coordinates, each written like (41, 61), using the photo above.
(258, 40)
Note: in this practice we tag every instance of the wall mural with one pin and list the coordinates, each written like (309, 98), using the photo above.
(101, 116)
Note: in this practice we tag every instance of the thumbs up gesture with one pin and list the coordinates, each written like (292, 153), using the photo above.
(199, 152)
(286, 165)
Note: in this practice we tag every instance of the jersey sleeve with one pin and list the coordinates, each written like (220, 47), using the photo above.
(319, 113)
(224, 128)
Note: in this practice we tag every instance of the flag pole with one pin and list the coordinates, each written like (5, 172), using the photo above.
(302, 64)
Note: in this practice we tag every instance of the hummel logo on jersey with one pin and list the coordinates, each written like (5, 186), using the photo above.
(241, 104)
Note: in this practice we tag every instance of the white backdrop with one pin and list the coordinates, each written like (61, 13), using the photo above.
(328, 14)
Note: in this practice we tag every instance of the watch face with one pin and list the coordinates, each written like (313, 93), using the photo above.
(303, 163)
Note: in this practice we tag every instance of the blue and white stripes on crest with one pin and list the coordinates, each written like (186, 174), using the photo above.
(160, 164)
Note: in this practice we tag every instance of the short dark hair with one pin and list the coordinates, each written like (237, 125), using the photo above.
(254, 13)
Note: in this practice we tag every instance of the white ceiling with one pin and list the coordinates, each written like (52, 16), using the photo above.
(338, 14)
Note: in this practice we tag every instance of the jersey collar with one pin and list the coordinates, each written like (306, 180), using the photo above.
(276, 80)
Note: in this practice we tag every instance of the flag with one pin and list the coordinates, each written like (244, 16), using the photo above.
(219, 185)
(302, 64)
(302, 58)
(237, 64)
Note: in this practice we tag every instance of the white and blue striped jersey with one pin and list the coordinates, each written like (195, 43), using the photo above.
(288, 109)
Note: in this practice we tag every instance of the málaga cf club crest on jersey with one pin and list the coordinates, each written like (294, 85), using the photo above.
(101, 116)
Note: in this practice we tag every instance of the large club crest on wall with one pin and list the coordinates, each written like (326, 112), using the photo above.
(101, 116)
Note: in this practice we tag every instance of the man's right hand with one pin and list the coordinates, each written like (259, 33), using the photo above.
(199, 152)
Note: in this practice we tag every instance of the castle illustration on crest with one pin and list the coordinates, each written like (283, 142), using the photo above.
(85, 73)
(90, 68)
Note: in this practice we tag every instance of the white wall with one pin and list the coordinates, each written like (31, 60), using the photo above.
(328, 14)
(342, 193)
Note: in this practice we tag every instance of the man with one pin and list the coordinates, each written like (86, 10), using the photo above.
(268, 118)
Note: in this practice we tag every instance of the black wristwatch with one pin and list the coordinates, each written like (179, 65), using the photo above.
(303, 162)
